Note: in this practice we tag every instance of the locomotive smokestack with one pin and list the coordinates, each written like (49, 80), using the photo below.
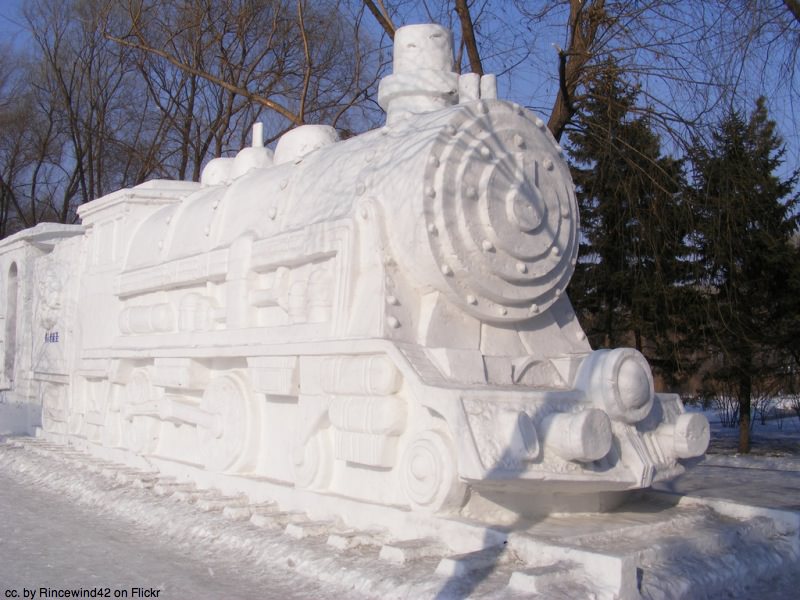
(258, 135)
(423, 79)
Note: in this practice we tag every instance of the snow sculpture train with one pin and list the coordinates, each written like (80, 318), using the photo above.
(382, 318)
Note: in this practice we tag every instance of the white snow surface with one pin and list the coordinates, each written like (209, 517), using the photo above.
(768, 477)
(66, 527)
(63, 526)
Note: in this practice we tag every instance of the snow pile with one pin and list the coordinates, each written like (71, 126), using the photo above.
(241, 547)
(679, 546)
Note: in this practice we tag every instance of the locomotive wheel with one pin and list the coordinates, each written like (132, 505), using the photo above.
(429, 474)
(140, 432)
(225, 444)
(312, 462)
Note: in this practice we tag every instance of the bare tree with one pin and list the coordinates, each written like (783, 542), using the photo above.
(690, 59)
(289, 62)
(11, 160)
(117, 91)
(87, 87)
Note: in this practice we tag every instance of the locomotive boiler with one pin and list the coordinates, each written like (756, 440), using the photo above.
(382, 318)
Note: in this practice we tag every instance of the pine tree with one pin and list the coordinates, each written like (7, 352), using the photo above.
(748, 266)
(634, 225)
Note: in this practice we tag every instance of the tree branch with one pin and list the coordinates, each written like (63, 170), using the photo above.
(381, 17)
(281, 110)
(307, 52)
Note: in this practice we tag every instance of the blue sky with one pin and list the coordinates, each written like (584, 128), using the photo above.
(12, 22)
(532, 82)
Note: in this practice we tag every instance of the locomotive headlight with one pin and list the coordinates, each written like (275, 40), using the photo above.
(625, 382)
(633, 385)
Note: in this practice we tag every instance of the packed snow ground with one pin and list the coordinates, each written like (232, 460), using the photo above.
(50, 541)
(63, 528)
(768, 477)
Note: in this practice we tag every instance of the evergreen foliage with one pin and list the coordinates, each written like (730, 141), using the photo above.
(629, 287)
(747, 264)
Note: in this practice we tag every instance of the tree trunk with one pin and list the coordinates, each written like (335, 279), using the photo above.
(468, 35)
(745, 390)
(794, 8)
(584, 22)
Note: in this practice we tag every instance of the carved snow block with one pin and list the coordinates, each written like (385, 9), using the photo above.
(407, 550)
(275, 375)
(505, 436)
(151, 318)
(373, 375)
(366, 428)
(365, 448)
(382, 415)
(185, 373)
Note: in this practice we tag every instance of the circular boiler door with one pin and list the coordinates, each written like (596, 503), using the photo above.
(500, 212)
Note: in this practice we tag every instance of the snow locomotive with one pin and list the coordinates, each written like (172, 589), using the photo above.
(382, 318)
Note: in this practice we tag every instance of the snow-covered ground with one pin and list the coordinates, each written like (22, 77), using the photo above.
(769, 476)
(52, 542)
(777, 436)
(64, 528)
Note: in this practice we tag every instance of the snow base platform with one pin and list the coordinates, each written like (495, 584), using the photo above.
(657, 545)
